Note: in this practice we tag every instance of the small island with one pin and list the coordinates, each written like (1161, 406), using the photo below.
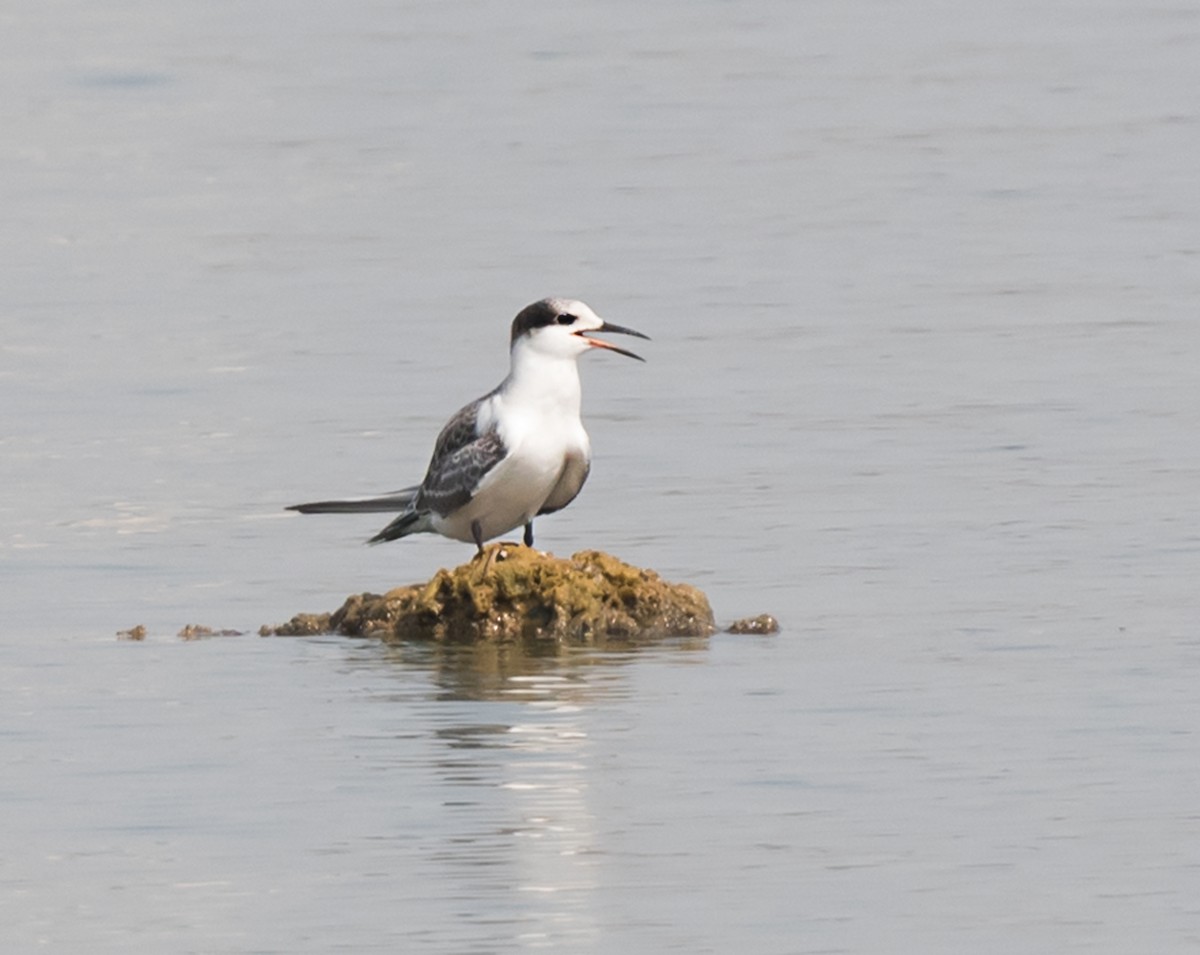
(511, 593)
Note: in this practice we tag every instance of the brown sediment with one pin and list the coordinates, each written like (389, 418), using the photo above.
(513, 593)
(762, 624)
(197, 631)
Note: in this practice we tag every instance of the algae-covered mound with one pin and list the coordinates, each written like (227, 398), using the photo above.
(510, 593)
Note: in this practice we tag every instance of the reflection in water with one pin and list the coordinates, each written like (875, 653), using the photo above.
(514, 760)
(523, 824)
(518, 671)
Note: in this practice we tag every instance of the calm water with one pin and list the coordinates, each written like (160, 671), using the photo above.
(923, 384)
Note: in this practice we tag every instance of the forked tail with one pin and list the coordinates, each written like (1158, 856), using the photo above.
(392, 501)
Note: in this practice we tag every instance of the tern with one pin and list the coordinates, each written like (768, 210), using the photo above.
(518, 452)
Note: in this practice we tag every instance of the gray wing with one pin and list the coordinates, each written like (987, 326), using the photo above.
(458, 432)
(453, 478)
(570, 482)
(461, 457)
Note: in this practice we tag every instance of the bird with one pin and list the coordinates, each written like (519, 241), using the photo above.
(516, 453)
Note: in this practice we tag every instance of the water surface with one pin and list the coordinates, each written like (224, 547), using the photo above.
(923, 384)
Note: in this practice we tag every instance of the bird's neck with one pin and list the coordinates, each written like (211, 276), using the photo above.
(543, 382)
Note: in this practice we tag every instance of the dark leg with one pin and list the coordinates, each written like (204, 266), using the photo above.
(477, 533)
(529, 534)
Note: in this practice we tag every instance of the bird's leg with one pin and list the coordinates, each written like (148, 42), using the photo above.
(529, 533)
(477, 533)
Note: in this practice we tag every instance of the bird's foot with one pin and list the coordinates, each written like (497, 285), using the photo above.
(492, 554)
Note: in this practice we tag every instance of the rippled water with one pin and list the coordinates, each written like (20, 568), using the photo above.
(923, 384)
(832, 793)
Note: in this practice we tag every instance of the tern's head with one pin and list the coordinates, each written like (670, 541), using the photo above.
(562, 328)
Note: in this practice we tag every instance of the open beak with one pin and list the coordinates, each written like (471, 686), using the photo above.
(585, 334)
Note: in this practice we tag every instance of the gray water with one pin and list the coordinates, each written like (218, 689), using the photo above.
(922, 284)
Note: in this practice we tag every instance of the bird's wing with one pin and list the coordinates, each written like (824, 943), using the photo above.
(458, 432)
(454, 477)
(570, 481)
(461, 457)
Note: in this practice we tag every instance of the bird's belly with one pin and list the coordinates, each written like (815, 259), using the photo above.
(510, 494)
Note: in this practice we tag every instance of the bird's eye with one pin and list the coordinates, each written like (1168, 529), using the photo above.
(565, 318)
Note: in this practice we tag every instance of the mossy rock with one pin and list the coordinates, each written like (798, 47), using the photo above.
(513, 593)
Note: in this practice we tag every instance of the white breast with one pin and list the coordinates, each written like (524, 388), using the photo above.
(547, 451)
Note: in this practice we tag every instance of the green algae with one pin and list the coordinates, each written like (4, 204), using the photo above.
(511, 593)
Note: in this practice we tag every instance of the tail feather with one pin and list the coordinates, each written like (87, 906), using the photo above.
(410, 522)
(392, 501)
